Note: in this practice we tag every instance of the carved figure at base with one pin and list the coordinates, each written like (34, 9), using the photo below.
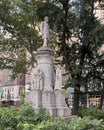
(58, 78)
(45, 30)
(37, 80)
(41, 80)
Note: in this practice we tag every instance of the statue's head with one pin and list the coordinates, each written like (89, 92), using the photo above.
(46, 18)
(59, 66)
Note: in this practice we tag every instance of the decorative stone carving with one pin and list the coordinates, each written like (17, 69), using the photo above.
(44, 58)
(37, 79)
(58, 78)
(41, 80)
(45, 30)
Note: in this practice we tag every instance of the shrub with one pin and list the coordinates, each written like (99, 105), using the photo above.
(93, 113)
(61, 124)
(11, 117)
(86, 123)
(25, 118)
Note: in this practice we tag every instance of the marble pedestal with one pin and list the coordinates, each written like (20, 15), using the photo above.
(34, 98)
(45, 57)
(53, 101)
(61, 106)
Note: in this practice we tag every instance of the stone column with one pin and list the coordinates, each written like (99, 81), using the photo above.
(44, 57)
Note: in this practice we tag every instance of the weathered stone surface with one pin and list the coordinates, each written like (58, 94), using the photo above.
(58, 78)
(34, 98)
(53, 101)
(44, 57)
(45, 95)
(61, 106)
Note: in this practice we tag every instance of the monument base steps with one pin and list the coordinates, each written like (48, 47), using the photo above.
(53, 101)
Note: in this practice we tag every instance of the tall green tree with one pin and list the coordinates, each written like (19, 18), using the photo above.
(81, 58)
(19, 20)
(80, 37)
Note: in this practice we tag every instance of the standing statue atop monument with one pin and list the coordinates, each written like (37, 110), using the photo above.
(58, 78)
(45, 30)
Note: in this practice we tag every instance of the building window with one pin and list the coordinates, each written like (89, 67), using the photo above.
(8, 80)
(8, 74)
(12, 95)
(5, 90)
(12, 89)
(5, 96)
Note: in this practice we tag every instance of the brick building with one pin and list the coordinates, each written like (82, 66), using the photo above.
(8, 85)
(13, 87)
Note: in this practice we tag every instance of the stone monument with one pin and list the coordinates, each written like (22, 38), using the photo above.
(58, 78)
(45, 86)
(45, 31)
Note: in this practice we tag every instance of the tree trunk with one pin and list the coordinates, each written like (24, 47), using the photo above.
(102, 98)
(76, 100)
(23, 80)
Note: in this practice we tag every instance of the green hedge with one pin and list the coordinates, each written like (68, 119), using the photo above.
(79, 124)
(91, 112)
(11, 117)
(25, 118)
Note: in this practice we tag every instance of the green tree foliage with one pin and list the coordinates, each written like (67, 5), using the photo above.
(92, 113)
(18, 19)
(80, 38)
(8, 96)
(91, 39)
(22, 96)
